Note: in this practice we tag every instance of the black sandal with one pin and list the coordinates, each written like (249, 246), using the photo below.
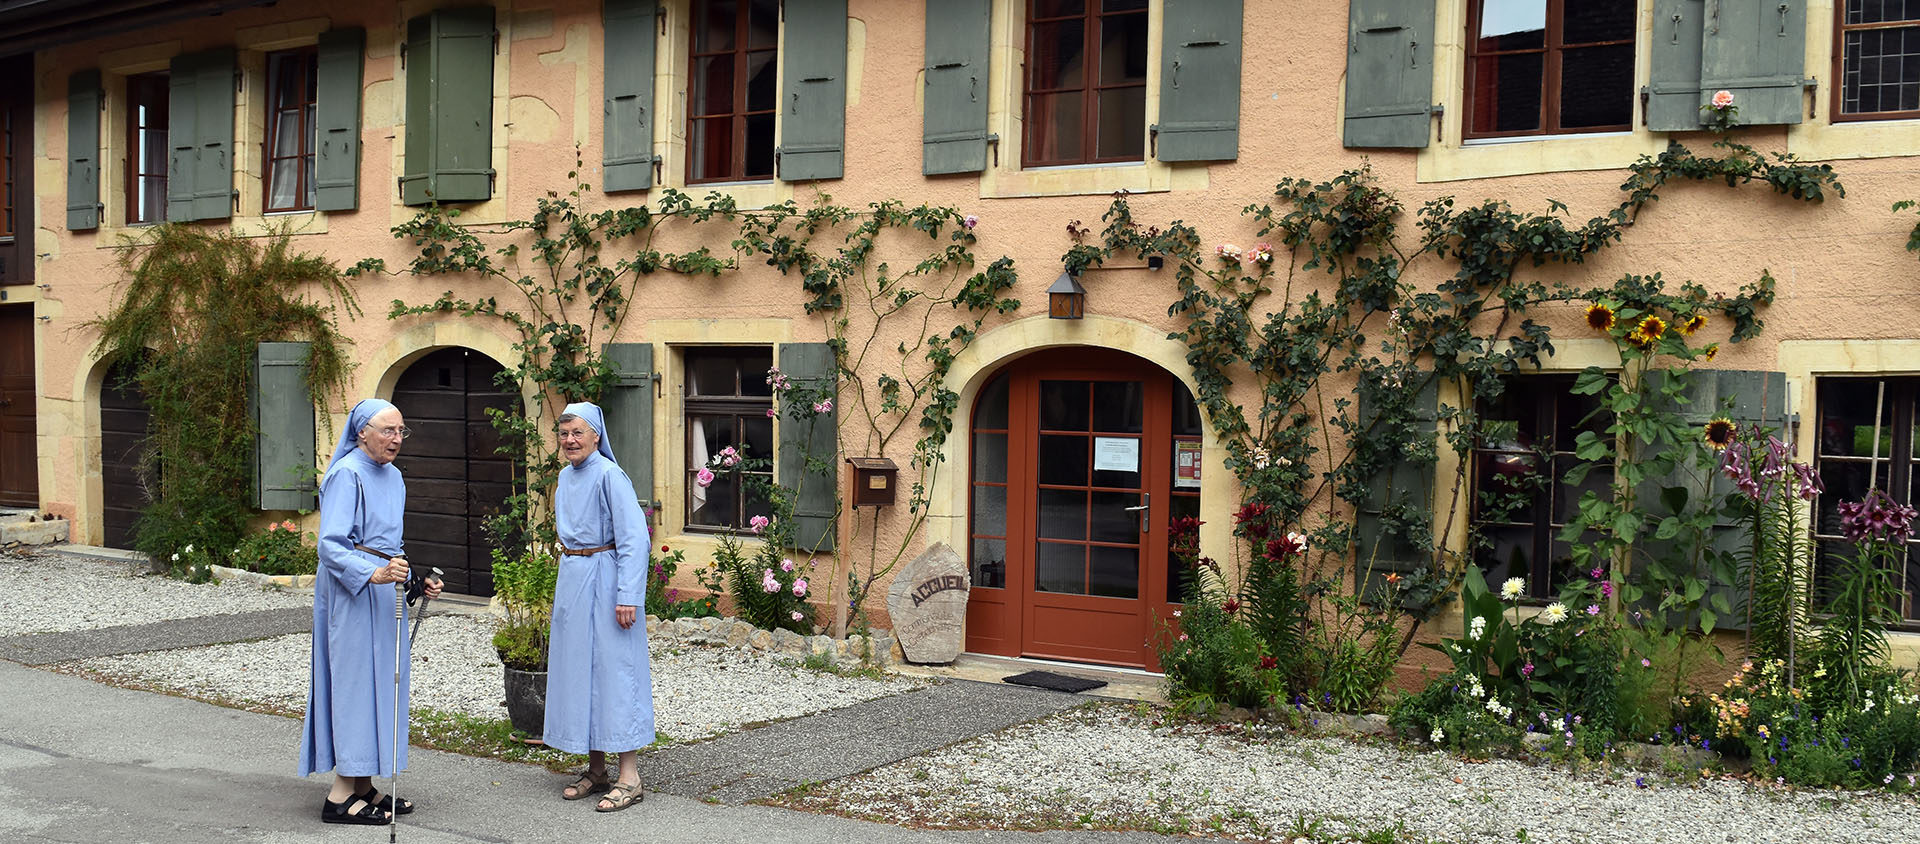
(385, 801)
(369, 814)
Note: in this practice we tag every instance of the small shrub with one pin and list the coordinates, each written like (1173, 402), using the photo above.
(279, 550)
(664, 601)
(524, 583)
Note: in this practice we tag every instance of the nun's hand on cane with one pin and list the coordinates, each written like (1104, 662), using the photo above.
(395, 571)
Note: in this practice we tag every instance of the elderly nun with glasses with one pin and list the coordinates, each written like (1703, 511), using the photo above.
(599, 682)
(349, 727)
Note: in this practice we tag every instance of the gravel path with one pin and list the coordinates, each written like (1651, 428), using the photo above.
(56, 593)
(1114, 766)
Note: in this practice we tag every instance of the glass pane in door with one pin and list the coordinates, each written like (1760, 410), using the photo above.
(1086, 524)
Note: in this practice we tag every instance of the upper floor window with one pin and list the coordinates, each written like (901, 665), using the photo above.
(147, 148)
(16, 170)
(1878, 63)
(1548, 67)
(1086, 82)
(1850, 464)
(1520, 500)
(292, 85)
(732, 93)
(728, 405)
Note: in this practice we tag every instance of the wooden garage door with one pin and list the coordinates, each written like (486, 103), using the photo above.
(19, 464)
(454, 478)
(123, 436)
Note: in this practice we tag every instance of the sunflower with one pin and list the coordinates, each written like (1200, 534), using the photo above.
(1599, 317)
(1693, 322)
(1718, 433)
(1711, 350)
(1648, 331)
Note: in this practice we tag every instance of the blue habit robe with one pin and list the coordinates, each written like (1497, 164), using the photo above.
(349, 723)
(599, 680)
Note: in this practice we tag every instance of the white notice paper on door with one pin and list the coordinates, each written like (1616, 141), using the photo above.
(1116, 454)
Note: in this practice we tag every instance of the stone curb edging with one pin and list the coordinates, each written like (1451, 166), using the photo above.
(879, 650)
(271, 581)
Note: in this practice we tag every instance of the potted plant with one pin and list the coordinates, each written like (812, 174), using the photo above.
(524, 584)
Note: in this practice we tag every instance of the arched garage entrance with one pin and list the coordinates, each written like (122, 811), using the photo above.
(1080, 458)
(455, 480)
(126, 486)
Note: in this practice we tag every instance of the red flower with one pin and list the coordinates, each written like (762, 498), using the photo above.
(1268, 663)
(1231, 606)
(1251, 521)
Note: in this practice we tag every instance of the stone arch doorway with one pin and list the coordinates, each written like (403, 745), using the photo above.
(455, 478)
(1080, 457)
(126, 485)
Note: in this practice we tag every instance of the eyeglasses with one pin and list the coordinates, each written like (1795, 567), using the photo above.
(574, 435)
(394, 433)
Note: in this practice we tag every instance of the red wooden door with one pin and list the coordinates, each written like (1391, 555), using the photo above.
(19, 461)
(1072, 490)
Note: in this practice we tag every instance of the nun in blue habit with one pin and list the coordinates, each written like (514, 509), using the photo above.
(599, 681)
(349, 725)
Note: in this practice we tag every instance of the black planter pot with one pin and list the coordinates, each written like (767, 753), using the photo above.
(527, 700)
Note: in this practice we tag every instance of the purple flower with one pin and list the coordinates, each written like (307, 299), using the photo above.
(1593, 609)
(1606, 589)
(970, 221)
(1526, 670)
(1876, 517)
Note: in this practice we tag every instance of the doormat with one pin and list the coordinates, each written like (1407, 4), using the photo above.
(1056, 682)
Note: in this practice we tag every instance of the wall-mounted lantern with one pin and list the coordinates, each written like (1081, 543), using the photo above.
(873, 481)
(1066, 299)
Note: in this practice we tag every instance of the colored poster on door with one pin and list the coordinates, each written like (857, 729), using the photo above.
(1186, 464)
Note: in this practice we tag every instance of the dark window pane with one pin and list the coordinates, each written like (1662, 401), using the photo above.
(990, 510)
(1058, 58)
(1058, 8)
(712, 143)
(1596, 87)
(1063, 406)
(760, 81)
(1060, 567)
(990, 563)
(1567, 496)
(714, 505)
(1513, 25)
(1506, 93)
(1880, 71)
(1063, 459)
(712, 85)
(1123, 120)
(1591, 21)
(1178, 574)
(1117, 406)
(1846, 417)
(758, 435)
(1063, 514)
(1507, 486)
(1509, 553)
(712, 375)
(1186, 413)
(713, 25)
(1123, 6)
(759, 158)
(1114, 572)
(1879, 11)
(763, 23)
(992, 412)
(1056, 127)
(1123, 49)
(1109, 519)
(990, 458)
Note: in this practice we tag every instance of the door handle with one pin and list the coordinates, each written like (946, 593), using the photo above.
(1144, 508)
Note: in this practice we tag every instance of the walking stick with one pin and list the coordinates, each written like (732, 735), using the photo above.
(393, 785)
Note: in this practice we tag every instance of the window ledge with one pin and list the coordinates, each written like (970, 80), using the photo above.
(1092, 179)
(1822, 141)
(1493, 157)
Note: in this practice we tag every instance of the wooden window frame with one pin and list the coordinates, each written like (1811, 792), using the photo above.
(1546, 390)
(1552, 50)
(740, 406)
(310, 71)
(16, 170)
(1902, 412)
(139, 87)
(8, 201)
(1090, 88)
(1840, 30)
(742, 53)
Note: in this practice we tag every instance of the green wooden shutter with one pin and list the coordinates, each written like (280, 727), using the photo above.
(1673, 92)
(1757, 51)
(816, 491)
(954, 119)
(1394, 525)
(283, 466)
(1199, 82)
(83, 151)
(1747, 398)
(200, 130)
(1389, 73)
(813, 91)
(336, 163)
(629, 408)
(449, 145)
(628, 134)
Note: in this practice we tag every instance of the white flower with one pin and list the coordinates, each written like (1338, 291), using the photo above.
(188, 549)
(1476, 628)
(1297, 540)
(1475, 689)
(1512, 588)
(1493, 705)
(176, 558)
(1437, 736)
(1868, 706)
(1555, 613)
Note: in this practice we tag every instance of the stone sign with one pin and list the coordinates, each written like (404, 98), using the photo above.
(928, 602)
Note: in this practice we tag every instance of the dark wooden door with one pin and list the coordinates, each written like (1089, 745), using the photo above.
(1079, 445)
(455, 480)
(19, 463)
(125, 485)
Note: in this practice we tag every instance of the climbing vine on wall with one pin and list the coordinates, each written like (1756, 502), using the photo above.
(192, 306)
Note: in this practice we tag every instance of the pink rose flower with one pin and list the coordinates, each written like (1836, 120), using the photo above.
(800, 589)
(797, 616)
(704, 477)
(970, 221)
(757, 523)
(769, 413)
(1722, 99)
(786, 565)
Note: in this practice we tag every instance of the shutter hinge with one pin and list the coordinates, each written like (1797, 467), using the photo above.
(403, 55)
(1646, 96)
(1153, 137)
(660, 14)
(1812, 86)
(1439, 111)
(657, 161)
(496, 42)
(993, 143)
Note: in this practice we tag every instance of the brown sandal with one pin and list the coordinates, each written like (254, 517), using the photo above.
(620, 796)
(587, 785)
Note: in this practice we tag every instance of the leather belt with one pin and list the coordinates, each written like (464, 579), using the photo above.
(584, 552)
(381, 554)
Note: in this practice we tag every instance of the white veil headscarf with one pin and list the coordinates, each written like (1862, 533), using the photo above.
(357, 419)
